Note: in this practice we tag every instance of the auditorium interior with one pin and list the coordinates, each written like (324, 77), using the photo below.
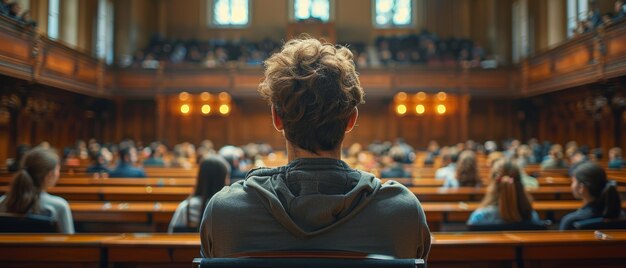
(537, 83)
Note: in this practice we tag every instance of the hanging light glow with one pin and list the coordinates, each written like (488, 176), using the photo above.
(401, 97)
(224, 109)
(420, 109)
(185, 108)
(420, 96)
(183, 96)
(441, 109)
(205, 96)
(401, 109)
(224, 96)
(206, 109)
(442, 96)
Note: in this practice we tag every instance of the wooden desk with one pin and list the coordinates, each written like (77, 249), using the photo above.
(90, 181)
(53, 250)
(429, 194)
(118, 193)
(488, 249)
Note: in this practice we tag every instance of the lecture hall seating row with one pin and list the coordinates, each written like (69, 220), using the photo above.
(496, 249)
(155, 216)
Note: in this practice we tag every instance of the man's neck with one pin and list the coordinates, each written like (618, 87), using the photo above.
(293, 153)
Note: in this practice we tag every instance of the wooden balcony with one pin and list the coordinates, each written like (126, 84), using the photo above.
(590, 58)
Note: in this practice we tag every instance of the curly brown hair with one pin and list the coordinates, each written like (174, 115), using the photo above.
(313, 88)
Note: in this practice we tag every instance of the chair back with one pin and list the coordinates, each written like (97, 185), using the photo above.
(14, 223)
(306, 263)
(600, 224)
(185, 229)
(308, 259)
(516, 226)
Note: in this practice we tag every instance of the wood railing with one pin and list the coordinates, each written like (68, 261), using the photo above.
(589, 58)
(27, 55)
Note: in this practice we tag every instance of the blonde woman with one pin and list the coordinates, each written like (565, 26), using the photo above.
(506, 200)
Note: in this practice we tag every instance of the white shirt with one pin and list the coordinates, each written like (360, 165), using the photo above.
(54, 207)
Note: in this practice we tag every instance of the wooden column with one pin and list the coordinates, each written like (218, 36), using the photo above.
(161, 110)
(463, 114)
(119, 119)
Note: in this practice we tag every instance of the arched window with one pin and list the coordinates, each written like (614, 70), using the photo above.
(230, 13)
(393, 13)
(312, 9)
(53, 19)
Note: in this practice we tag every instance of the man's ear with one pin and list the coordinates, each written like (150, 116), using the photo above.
(278, 123)
(352, 120)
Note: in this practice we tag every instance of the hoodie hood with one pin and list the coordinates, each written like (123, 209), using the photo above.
(310, 196)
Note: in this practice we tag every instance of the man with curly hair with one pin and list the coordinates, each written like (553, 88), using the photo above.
(316, 201)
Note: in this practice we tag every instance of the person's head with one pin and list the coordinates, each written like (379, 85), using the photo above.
(213, 172)
(493, 157)
(615, 153)
(556, 151)
(451, 156)
(398, 154)
(507, 192)
(20, 152)
(314, 90)
(577, 157)
(618, 6)
(466, 169)
(125, 155)
(590, 184)
(39, 170)
(98, 159)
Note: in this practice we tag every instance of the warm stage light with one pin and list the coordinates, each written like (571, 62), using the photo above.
(401, 109)
(183, 96)
(441, 109)
(442, 96)
(420, 109)
(401, 97)
(224, 97)
(185, 109)
(420, 96)
(224, 109)
(206, 109)
(205, 96)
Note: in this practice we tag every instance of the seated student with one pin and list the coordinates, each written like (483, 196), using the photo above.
(156, 156)
(506, 200)
(125, 167)
(27, 193)
(98, 164)
(233, 155)
(212, 175)
(21, 150)
(554, 159)
(466, 174)
(316, 201)
(576, 159)
(615, 158)
(600, 196)
(448, 172)
(396, 170)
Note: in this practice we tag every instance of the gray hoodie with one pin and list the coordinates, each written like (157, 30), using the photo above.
(314, 204)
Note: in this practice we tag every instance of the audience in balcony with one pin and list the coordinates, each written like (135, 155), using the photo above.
(14, 11)
(424, 48)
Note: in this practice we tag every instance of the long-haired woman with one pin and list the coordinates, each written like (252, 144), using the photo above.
(212, 175)
(27, 194)
(599, 195)
(506, 200)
